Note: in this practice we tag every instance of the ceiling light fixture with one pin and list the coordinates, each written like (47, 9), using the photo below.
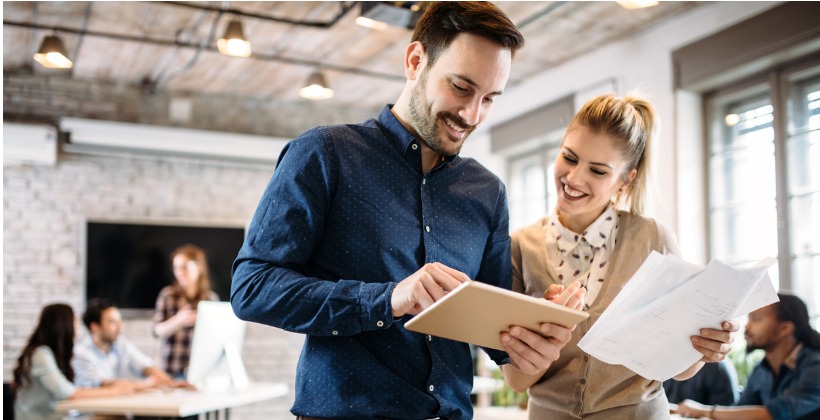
(316, 87)
(52, 53)
(234, 42)
(382, 14)
(637, 4)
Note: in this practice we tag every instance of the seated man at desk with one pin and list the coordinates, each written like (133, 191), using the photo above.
(786, 383)
(105, 356)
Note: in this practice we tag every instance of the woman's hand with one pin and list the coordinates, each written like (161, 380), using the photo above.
(715, 344)
(185, 317)
(573, 296)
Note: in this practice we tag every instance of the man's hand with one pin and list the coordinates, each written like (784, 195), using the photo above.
(415, 293)
(532, 353)
(691, 409)
(122, 386)
(715, 344)
(159, 376)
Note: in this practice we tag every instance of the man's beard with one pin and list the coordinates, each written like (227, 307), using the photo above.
(422, 120)
(751, 347)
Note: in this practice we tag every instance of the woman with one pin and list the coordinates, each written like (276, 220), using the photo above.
(175, 311)
(43, 374)
(602, 167)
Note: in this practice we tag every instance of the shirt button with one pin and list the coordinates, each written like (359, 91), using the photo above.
(583, 381)
(586, 358)
(427, 228)
(414, 146)
(424, 181)
(429, 338)
(586, 257)
(335, 333)
(432, 388)
(380, 324)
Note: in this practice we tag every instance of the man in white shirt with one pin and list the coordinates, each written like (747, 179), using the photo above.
(105, 357)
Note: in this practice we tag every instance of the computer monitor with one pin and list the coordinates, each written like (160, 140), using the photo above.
(216, 350)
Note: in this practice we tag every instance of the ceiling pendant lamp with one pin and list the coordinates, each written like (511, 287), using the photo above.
(637, 4)
(234, 42)
(316, 87)
(52, 54)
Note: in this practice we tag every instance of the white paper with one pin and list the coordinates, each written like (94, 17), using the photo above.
(647, 327)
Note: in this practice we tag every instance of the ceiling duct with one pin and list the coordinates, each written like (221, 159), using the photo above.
(404, 14)
(96, 137)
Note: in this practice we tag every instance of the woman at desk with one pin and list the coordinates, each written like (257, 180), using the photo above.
(43, 374)
(591, 243)
(175, 311)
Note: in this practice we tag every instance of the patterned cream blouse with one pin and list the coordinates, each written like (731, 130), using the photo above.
(583, 255)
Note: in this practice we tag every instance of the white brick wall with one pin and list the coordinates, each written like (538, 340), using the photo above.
(44, 212)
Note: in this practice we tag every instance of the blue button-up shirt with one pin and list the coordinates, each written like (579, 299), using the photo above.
(794, 393)
(348, 214)
(92, 366)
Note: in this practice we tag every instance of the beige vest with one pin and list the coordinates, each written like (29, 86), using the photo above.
(578, 385)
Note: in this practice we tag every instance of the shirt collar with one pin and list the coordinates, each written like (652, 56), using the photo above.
(791, 360)
(398, 135)
(596, 234)
(89, 343)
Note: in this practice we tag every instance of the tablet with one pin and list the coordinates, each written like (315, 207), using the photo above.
(477, 313)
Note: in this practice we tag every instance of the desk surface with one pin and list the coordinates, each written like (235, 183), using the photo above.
(176, 402)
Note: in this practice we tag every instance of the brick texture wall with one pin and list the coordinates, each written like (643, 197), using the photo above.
(44, 213)
(29, 96)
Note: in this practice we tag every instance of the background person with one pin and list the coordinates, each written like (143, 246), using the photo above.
(715, 383)
(43, 374)
(362, 226)
(175, 311)
(603, 165)
(786, 383)
(106, 356)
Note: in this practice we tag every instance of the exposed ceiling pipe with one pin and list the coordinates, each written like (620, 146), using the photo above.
(164, 78)
(344, 8)
(86, 16)
(554, 6)
(184, 44)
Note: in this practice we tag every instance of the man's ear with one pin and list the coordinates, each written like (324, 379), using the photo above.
(415, 57)
(787, 328)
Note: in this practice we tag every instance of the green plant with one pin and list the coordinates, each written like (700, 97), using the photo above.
(744, 362)
(506, 396)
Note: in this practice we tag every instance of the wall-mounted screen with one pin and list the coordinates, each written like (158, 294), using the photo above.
(129, 263)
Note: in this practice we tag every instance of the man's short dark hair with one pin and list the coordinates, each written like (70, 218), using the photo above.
(93, 312)
(443, 20)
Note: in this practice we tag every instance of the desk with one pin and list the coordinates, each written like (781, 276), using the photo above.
(176, 402)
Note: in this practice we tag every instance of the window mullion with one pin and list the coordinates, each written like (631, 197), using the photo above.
(779, 98)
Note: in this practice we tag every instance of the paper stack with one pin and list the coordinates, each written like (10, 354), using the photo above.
(647, 327)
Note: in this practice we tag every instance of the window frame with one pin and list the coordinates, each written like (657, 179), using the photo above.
(777, 81)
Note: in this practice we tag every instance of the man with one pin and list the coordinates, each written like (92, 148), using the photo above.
(363, 225)
(786, 383)
(105, 356)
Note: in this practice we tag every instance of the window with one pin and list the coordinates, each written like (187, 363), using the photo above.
(803, 174)
(764, 177)
(531, 188)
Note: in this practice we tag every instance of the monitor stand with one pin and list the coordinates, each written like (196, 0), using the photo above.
(239, 376)
(236, 377)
